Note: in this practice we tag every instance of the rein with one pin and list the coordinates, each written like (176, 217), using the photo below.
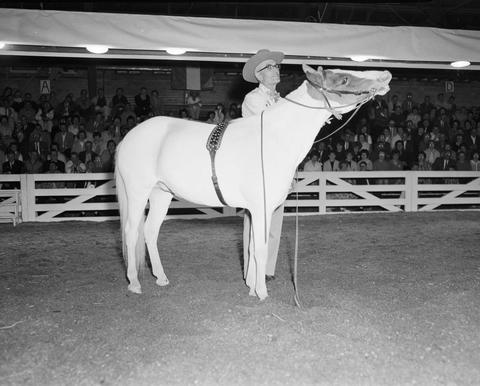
(358, 105)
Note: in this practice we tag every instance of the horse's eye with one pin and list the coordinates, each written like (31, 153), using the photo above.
(345, 80)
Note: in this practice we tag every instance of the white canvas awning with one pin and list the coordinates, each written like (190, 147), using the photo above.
(59, 33)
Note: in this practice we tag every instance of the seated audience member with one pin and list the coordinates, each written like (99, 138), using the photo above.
(98, 144)
(313, 165)
(12, 165)
(421, 163)
(119, 102)
(64, 138)
(350, 164)
(113, 131)
(322, 152)
(473, 140)
(38, 146)
(395, 162)
(364, 157)
(143, 107)
(194, 104)
(339, 152)
(381, 163)
(444, 162)
(364, 145)
(462, 162)
(6, 130)
(19, 155)
(54, 158)
(379, 146)
(74, 165)
(183, 114)
(232, 112)
(87, 154)
(431, 153)
(34, 164)
(219, 113)
(96, 166)
(84, 106)
(332, 164)
(475, 162)
(414, 117)
(98, 124)
(403, 156)
(100, 105)
(398, 116)
(79, 142)
(108, 157)
(211, 117)
(408, 104)
(356, 152)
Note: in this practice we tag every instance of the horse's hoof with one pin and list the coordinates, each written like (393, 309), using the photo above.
(136, 289)
(162, 282)
(262, 295)
(252, 292)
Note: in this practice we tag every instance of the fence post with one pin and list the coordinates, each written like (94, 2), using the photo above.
(322, 193)
(411, 191)
(27, 184)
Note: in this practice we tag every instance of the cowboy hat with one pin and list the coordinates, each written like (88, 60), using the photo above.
(252, 63)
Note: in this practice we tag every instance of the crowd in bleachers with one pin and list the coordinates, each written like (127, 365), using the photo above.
(396, 134)
(80, 134)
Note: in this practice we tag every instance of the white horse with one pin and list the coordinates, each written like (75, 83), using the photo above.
(165, 157)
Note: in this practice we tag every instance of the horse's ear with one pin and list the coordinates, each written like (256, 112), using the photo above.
(306, 68)
(320, 69)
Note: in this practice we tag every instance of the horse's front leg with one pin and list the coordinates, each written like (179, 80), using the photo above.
(260, 244)
(250, 265)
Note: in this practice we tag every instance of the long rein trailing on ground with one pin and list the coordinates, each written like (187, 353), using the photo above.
(369, 95)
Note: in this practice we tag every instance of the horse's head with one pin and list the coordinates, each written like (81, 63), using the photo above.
(344, 88)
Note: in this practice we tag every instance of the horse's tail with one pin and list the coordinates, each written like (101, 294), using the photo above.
(123, 209)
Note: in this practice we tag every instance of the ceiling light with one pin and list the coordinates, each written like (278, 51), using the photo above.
(2, 44)
(460, 63)
(97, 49)
(176, 51)
(359, 58)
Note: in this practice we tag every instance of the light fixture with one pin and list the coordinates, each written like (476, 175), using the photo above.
(460, 63)
(176, 50)
(2, 44)
(97, 49)
(359, 58)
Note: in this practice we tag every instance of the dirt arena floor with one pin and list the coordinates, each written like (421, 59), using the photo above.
(388, 299)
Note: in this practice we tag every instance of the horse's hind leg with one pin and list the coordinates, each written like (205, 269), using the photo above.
(135, 213)
(260, 245)
(159, 203)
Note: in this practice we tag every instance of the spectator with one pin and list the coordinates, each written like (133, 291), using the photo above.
(396, 163)
(87, 154)
(66, 108)
(381, 145)
(313, 165)
(98, 124)
(364, 158)
(119, 102)
(219, 114)
(364, 145)
(444, 162)
(74, 165)
(233, 112)
(426, 106)
(155, 103)
(113, 132)
(84, 106)
(350, 164)
(99, 103)
(381, 163)
(339, 152)
(34, 164)
(475, 162)
(409, 104)
(64, 138)
(194, 104)
(398, 116)
(20, 146)
(184, 114)
(108, 157)
(6, 130)
(54, 159)
(431, 153)
(79, 142)
(98, 144)
(462, 162)
(421, 163)
(12, 165)
(143, 108)
(331, 165)
(38, 146)
(473, 140)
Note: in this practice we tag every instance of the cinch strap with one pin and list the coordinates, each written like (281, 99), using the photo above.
(213, 144)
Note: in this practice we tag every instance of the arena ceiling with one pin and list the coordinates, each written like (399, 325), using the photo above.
(449, 14)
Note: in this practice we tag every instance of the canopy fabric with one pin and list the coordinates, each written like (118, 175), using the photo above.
(234, 39)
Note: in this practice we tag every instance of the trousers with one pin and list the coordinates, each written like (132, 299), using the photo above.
(273, 240)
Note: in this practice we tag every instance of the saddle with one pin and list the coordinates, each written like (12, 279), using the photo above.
(213, 144)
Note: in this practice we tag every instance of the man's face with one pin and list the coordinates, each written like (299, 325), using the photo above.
(267, 72)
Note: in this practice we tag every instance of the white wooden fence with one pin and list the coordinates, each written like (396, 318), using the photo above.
(62, 197)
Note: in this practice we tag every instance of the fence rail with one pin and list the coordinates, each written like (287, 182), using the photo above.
(61, 197)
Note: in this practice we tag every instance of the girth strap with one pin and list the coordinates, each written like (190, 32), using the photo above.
(213, 144)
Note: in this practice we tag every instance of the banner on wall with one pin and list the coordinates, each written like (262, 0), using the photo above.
(45, 86)
(192, 78)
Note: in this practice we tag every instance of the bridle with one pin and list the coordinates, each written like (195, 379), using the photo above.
(369, 95)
